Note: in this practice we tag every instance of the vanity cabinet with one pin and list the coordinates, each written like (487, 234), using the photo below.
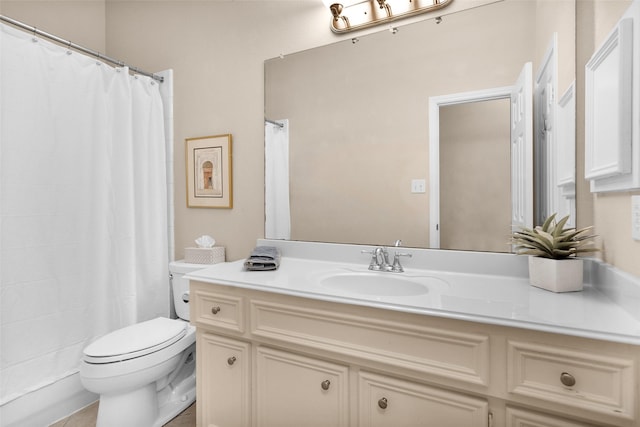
(306, 362)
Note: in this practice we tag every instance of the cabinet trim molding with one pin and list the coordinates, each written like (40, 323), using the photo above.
(449, 354)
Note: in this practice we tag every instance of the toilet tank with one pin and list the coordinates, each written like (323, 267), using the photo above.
(180, 285)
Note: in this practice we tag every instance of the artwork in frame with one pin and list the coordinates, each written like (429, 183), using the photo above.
(209, 172)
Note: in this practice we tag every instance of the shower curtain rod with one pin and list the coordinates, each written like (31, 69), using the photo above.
(82, 49)
(280, 125)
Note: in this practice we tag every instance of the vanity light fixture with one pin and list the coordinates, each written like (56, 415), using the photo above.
(336, 10)
(385, 6)
(363, 14)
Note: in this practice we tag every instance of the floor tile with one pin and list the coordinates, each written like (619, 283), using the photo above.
(87, 418)
(186, 419)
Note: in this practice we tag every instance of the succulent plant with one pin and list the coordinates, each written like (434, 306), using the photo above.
(553, 240)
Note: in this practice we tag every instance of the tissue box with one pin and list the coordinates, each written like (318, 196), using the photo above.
(212, 255)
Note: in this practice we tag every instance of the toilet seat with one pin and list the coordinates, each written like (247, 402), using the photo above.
(135, 341)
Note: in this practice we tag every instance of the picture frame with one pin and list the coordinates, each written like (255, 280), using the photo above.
(209, 172)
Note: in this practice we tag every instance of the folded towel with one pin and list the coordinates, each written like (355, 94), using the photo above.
(263, 258)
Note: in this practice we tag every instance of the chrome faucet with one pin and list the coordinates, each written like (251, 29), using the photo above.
(397, 267)
(380, 259)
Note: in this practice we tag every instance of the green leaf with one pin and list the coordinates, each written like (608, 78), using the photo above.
(560, 226)
(548, 222)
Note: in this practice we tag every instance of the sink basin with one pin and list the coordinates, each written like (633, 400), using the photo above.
(377, 283)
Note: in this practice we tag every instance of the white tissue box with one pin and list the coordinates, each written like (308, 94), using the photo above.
(212, 255)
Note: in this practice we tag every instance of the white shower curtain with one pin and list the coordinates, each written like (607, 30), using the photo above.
(83, 207)
(277, 209)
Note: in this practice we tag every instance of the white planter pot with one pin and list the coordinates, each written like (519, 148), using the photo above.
(556, 275)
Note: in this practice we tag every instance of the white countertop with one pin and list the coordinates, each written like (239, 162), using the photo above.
(507, 300)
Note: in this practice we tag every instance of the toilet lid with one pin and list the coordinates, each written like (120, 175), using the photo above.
(135, 340)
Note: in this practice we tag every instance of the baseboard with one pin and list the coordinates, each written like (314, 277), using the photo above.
(47, 405)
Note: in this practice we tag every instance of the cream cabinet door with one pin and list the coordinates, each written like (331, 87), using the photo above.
(294, 390)
(224, 377)
(391, 402)
(522, 418)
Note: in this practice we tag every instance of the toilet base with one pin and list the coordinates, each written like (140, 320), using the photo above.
(179, 394)
(148, 406)
(177, 401)
(136, 408)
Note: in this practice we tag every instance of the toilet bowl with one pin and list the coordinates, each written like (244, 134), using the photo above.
(145, 373)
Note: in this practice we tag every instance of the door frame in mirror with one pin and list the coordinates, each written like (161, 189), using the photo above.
(435, 103)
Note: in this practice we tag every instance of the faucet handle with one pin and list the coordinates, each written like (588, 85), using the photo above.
(397, 268)
(374, 264)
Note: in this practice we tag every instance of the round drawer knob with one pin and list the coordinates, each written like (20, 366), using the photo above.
(567, 379)
(231, 360)
(325, 384)
(383, 403)
(215, 310)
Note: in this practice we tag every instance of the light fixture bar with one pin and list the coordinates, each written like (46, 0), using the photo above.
(375, 12)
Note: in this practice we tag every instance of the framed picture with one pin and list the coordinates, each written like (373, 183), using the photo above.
(209, 172)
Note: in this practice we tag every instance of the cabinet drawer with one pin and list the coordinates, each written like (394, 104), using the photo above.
(517, 417)
(577, 378)
(449, 354)
(387, 401)
(218, 311)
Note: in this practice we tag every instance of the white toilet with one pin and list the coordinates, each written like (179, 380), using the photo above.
(145, 373)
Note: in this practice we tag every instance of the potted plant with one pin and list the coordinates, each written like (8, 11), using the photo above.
(553, 251)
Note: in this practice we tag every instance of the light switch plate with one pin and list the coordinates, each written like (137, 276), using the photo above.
(418, 185)
(635, 217)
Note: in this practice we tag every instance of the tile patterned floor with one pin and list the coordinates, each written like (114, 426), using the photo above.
(87, 418)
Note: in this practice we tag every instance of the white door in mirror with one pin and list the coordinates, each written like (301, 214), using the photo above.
(635, 217)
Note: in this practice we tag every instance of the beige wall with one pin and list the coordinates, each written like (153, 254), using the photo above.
(81, 21)
(217, 50)
(557, 16)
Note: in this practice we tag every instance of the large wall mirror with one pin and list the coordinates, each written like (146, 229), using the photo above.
(357, 116)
